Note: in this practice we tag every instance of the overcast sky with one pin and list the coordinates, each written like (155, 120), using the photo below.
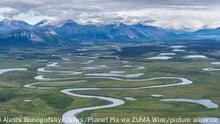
(164, 13)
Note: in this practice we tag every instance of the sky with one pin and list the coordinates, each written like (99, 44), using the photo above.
(176, 14)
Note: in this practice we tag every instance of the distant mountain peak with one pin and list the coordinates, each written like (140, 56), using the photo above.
(7, 20)
(11, 24)
(46, 22)
(68, 22)
(11, 21)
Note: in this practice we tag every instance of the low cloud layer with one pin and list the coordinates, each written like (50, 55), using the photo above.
(176, 14)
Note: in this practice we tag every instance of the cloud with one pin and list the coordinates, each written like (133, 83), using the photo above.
(164, 13)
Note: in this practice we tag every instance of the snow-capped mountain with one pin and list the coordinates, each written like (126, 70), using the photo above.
(24, 38)
(51, 31)
(73, 31)
(8, 25)
(46, 22)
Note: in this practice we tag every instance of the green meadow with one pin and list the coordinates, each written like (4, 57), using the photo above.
(18, 101)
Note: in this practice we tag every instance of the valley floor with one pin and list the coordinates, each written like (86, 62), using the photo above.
(112, 83)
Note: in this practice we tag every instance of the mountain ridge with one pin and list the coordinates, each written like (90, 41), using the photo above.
(69, 31)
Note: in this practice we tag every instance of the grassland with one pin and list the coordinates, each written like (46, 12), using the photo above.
(52, 103)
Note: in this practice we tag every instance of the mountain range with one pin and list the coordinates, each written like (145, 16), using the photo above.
(50, 32)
